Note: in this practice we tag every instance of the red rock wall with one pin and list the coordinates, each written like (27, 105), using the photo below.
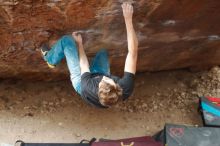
(172, 33)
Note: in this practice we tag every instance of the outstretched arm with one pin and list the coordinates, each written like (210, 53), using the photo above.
(84, 64)
(131, 59)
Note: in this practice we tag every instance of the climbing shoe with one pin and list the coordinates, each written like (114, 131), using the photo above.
(44, 51)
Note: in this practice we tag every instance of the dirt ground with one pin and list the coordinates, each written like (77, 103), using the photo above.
(52, 112)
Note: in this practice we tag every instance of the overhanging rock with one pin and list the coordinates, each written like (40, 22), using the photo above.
(172, 33)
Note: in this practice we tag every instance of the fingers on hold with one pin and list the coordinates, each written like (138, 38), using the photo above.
(123, 6)
(74, 33)
(129, 5)
(131, 8)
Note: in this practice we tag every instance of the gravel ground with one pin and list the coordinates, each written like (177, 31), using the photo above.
(52, 112)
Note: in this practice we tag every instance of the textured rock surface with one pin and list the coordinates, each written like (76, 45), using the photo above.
(172, 33)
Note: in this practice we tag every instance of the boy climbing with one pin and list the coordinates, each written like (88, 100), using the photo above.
(94, 83)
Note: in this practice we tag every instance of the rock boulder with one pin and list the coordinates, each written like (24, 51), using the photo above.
(172, 33)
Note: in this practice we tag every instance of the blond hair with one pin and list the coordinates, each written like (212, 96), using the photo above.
(109, 94)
